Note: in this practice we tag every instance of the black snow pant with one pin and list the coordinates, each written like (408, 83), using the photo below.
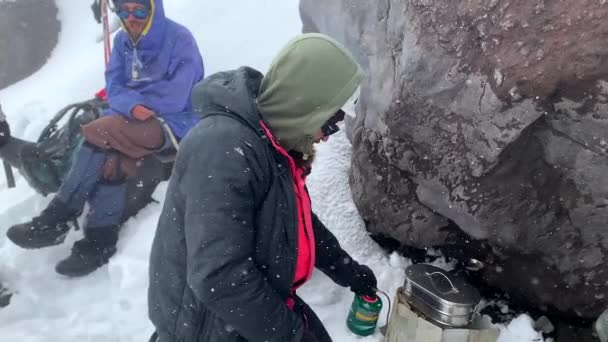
(310, 318)
(312, 321)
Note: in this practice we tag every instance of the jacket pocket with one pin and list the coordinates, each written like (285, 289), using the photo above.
(213, 329)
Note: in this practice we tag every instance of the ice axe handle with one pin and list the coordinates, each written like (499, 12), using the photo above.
(8, 172)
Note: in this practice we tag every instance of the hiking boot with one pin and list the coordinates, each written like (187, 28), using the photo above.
(86, 257)
(90, 253)
(38, 234)
(48, 229)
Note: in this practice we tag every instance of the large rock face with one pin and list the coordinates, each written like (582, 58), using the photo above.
(28, 32)
(492, 115)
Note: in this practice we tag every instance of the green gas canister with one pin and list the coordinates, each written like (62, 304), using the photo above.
(363, 316)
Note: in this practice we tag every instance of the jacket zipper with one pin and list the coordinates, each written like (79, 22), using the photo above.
(135, 63)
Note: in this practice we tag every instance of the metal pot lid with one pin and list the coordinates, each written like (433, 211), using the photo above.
(441, 284)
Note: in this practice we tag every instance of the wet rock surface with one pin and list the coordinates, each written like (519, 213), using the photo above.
(492, 115)
(28, 33)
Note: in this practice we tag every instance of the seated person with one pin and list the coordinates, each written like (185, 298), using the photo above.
(153, 68)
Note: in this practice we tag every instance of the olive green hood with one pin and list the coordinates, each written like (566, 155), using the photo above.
(307, 83)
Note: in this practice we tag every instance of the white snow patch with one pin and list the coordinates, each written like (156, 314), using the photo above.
(519, 330)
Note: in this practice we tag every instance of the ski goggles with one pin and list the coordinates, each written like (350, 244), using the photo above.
(331, 126)
(348, 109)
(138, 13)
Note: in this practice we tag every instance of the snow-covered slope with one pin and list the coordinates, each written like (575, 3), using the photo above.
(110, 304)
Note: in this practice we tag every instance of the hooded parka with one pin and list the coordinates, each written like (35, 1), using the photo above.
(225, 254)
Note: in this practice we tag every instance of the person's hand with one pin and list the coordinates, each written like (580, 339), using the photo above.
(96, 8)
(5, 129)
(142, 113)
(5, 132)
(364, 281)
(308, 337)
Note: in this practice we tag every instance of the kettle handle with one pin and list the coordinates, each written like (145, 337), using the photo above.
(453, 290)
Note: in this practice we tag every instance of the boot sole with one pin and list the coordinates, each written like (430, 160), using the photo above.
(74, 273)
(69, 274)
(59, 240)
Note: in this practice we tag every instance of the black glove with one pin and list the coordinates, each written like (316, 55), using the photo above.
(5, 132)
(364, 281)
(96, 8)
(308, 337)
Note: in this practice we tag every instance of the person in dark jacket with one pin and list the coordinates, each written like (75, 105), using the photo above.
(237, 237)
(153, 68)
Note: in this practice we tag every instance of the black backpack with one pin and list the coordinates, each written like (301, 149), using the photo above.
(46, 163)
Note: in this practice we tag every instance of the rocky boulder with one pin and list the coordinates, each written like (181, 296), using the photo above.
(493, 115)
(28, 33)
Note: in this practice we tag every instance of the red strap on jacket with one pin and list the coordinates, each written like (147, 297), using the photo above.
(305, 261)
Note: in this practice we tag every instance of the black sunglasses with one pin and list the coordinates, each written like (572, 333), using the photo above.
(331, 126)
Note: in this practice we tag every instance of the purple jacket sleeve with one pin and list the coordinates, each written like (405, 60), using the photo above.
(173, 94)
(121, 99)
(167, 96)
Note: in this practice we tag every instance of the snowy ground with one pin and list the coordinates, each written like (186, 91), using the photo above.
(110, 304)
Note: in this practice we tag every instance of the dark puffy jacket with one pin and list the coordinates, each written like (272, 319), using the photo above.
(224, 255)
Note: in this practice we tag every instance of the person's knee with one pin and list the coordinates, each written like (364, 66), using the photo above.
(97, 131)
(118, 167)
(111, 168)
